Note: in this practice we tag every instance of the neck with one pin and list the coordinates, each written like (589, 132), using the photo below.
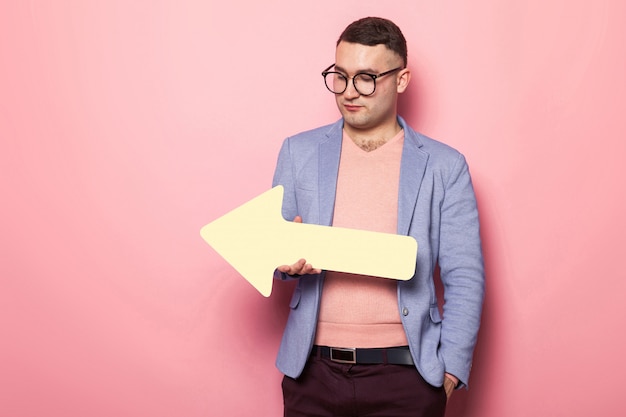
(372, 139)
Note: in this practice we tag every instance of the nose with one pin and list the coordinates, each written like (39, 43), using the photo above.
(351, 91)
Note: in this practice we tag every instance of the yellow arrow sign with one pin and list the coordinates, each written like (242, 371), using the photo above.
(255, 239)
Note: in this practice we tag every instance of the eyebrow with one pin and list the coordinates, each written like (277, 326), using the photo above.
(366, 70)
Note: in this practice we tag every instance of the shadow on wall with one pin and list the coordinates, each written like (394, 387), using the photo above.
(468, 403)
(410, 103)
(463, 402)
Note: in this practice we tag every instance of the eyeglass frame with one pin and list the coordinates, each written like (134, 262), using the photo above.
(353, 78)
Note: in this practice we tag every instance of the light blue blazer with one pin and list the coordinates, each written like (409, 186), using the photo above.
(437, 206)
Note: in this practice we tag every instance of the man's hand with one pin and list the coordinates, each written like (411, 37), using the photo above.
(301, 267)
(449, 384)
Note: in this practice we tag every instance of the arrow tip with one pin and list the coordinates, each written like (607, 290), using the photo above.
(241, 236)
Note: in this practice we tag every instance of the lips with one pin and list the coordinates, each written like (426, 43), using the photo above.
(352, 107)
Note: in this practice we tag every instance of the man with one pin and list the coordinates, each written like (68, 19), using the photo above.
(365, 346)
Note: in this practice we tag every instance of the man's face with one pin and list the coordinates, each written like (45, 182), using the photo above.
(365, 113)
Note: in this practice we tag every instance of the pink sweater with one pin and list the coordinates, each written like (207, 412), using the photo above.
(357, 310)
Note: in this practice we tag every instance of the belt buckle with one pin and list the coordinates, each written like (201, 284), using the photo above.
(343, 355)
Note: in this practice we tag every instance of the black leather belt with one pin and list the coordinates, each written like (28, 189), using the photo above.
(396, 355)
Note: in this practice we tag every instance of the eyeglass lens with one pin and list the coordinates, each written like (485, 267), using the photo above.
(364, 84)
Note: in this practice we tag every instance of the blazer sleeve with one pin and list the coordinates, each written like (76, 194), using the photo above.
(462, 271)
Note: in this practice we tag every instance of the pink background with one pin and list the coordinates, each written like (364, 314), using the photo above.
(127, 125)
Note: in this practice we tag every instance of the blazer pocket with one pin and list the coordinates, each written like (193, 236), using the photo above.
(434, 314)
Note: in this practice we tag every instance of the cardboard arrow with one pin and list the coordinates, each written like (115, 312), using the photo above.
(255, 239)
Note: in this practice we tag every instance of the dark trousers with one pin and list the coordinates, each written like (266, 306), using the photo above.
(327, 389)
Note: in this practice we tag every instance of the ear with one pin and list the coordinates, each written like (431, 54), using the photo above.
(404, 77)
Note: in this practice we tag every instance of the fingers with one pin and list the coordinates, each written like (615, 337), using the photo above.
(308, 269)
(449, 384)
(299, 268)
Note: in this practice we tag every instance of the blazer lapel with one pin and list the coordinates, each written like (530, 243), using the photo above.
(329, 154)
(412, 168)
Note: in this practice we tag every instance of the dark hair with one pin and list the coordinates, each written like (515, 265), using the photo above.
(372, 31)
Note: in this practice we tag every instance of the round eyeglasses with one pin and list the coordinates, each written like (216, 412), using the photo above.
(364, 83)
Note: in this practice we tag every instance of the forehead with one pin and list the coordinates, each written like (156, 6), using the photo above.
(359, 57)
